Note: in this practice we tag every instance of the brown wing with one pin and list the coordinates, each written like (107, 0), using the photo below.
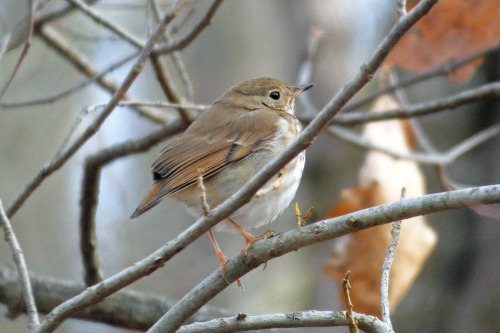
(235, 137)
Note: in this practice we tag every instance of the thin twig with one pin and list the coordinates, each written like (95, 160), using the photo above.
(183, 42)
(359, 141)
(176, 56)
(167, 85)
(471, 142)
(59, 95)
(386, 268)
(161, 104)
(306, 68)
(439, 70)
(491, 90)
(26, 48)
(161, 71)
(54, 40)
(486, 211)
(22, 269)
(346, 285)
(432, 158)
(92, 108)
(63, 10)
(102, 20)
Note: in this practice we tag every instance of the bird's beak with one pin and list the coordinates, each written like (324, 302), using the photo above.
(300, 89)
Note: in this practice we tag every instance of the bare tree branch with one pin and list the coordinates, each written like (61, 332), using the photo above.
(26, 48)
(433, 158)
(90, 193)
(59, 44)
(166, 83)
(56, 14)
(286, 320)
(127, 308)
(22, 269)
(439, 70)
(183, 42)
(491, 90)
(66, 92)
(386, 268)
(102, 20)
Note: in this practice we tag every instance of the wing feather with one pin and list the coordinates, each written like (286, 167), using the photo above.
(211, 151)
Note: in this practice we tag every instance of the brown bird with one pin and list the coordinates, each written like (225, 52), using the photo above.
(227, 144)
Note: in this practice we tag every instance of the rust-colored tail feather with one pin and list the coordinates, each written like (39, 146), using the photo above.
(149, 201)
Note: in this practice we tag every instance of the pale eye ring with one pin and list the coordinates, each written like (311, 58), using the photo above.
(275, 95)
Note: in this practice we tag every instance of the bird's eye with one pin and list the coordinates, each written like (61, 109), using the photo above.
(275, 95)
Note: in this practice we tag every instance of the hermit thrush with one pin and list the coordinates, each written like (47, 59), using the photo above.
(227, 144)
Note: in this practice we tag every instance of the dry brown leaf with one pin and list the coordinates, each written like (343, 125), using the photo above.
(453, 29)
(381, 180)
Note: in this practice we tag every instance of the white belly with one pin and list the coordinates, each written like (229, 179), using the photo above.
(265, 209)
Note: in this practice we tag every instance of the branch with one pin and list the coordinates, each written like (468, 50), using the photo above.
(127, 308)
(54, 40)
(362, 142)
(183, 42)
(61, 11)
(27, 46)
(432, 158)
(22, 269)
(386, 268)
(286, 320)
(66, 92)
(102, 20)
(440, 70)
(263, 251)
(491, 90)
(90, 192)
(161, 71)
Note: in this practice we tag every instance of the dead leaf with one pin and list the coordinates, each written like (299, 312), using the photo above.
(381, 179)
(453, 29)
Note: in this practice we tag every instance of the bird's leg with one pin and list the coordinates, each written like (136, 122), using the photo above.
(248, 236)
(221, 257)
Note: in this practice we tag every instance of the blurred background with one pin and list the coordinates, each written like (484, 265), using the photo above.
(458, 289)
